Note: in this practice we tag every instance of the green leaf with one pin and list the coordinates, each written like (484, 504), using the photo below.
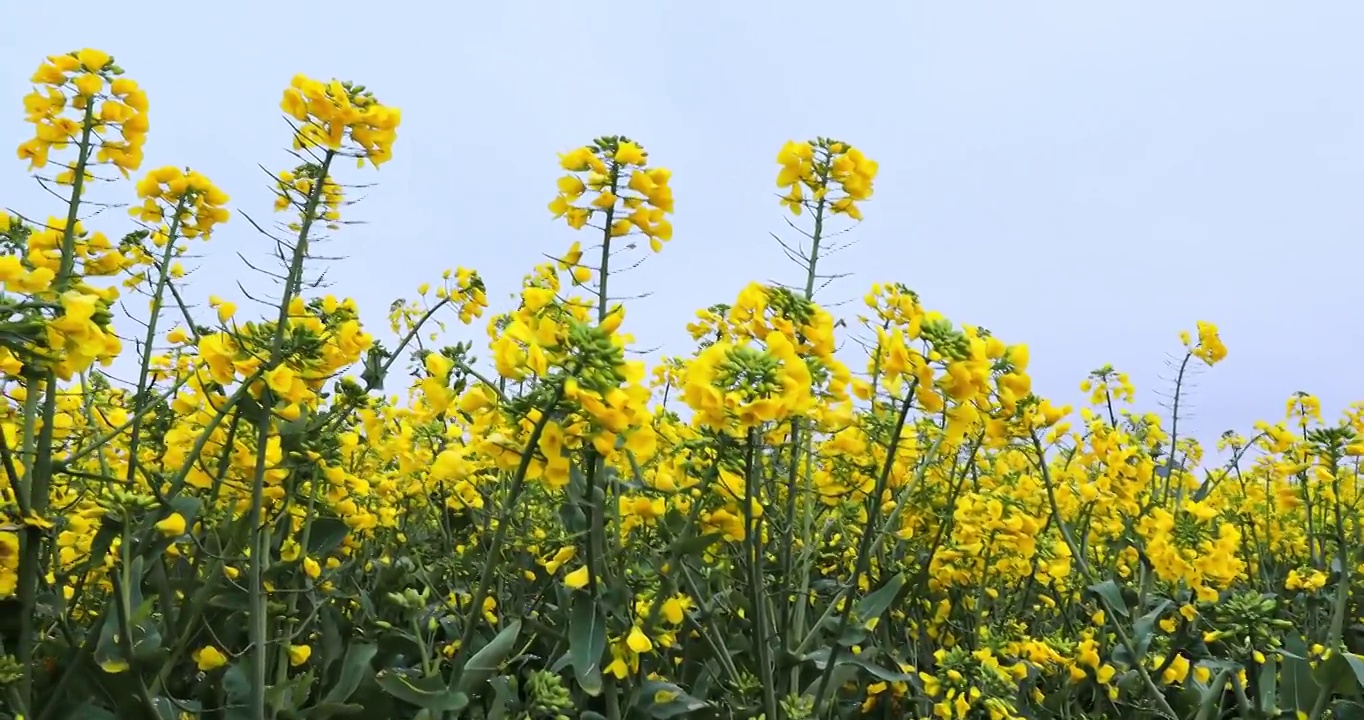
(325, 535)
(237, 682)
(290, 694)
(188, 506)
(325, 710)
(1212, 695)
(488, 660)
(428, 693)
(104, 539)
(586, 642)
(820, 658)
(373, 374)
(841, 675)
(573, 518)
(564, 661)
(1356, 663)
(873, 605)
(1111, 594)
(165, 709)
(664, 700)
(1144, 629)
(331, 645)
(146, 635)
(354, 668)
(1269, 684)
(502, 695)
(109, 653)
(1298, 690)
(870, 607)
(1185, 699)
(1340, 674)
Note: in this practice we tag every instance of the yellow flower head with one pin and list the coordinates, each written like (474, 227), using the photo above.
(614, 172)
(209, 658)
(82, 99)
(172, 526)
(824, 173)
(186, 199)
(342, 117)
(299, 654)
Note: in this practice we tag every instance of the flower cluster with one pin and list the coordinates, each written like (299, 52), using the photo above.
(186, 199)
(1107, 385)
(1209, 347)
(89, 83)
(54, 318)
(630, 196)
(824, 172)
(330, 113)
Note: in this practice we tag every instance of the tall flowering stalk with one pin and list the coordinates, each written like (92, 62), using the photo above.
(335, 119)
(78, 97)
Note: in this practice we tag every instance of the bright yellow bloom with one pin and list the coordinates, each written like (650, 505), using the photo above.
(209, 658)
(577, 579)
(299, 654)
(172, 525)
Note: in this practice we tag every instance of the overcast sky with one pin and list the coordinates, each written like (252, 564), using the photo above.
(1089, 178)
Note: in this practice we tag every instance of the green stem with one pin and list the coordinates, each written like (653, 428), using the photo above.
(260, 535)
(123, 583)
(757, 583)
(794, 615)
(598, 570)
(39, 482)
(88, 401)
(141, 404)
(815, 238)
(289, 621)
(1174, 436)
(1341, 599)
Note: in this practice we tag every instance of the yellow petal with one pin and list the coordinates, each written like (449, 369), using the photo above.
(576, 579)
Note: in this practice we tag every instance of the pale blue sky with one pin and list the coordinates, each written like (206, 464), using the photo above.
(1088, 178)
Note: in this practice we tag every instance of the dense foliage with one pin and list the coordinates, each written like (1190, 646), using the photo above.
(252, 528)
